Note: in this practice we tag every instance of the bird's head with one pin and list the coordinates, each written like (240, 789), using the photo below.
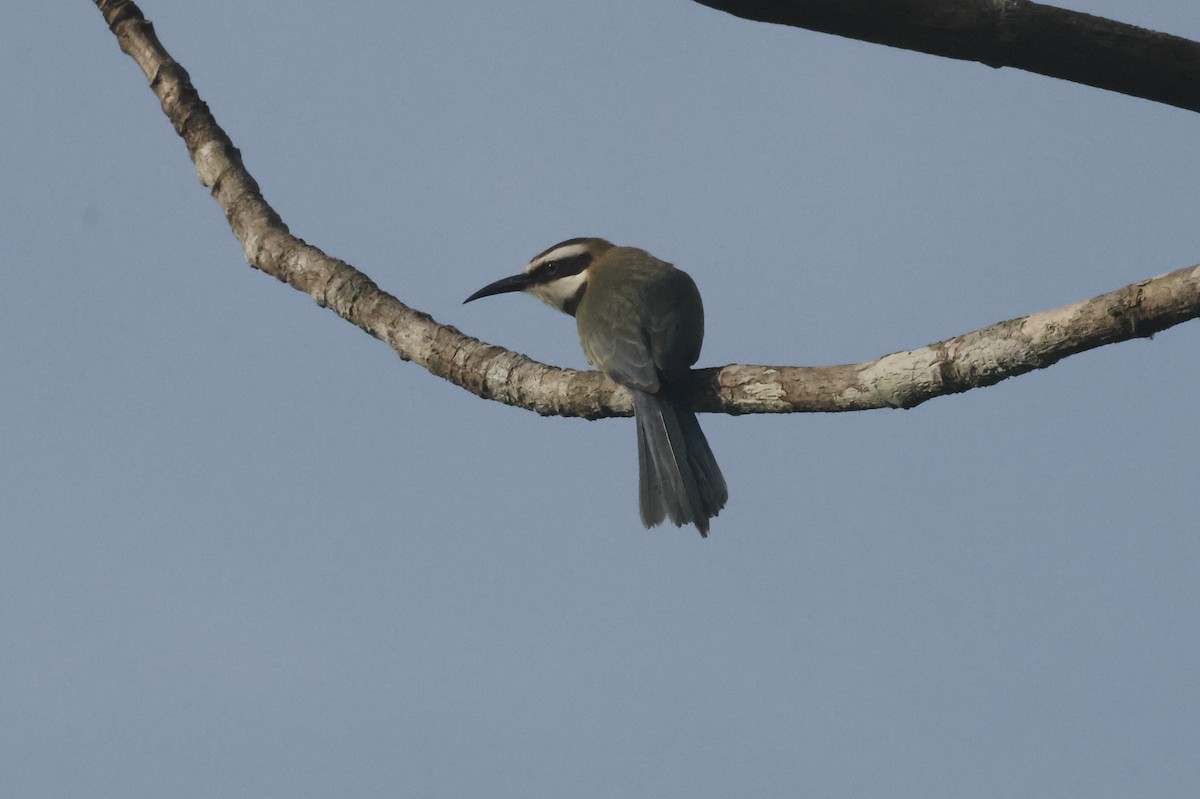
(557, 276)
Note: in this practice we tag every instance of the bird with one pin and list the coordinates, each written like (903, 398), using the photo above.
(641, 323)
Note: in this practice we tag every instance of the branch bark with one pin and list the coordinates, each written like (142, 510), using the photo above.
(900, 380)
(1005, 33)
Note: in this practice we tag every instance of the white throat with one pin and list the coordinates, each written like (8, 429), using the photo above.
(562, 292)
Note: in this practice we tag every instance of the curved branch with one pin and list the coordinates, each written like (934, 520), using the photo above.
(900, 380)
(1005, 33)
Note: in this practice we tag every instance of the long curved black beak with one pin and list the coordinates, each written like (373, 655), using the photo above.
(502, 286)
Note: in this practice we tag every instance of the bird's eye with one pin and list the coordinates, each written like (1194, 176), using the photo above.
(551, 268)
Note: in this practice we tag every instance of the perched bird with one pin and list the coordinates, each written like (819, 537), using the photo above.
(641, 323)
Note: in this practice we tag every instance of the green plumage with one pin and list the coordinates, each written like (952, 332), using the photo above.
(641, 322)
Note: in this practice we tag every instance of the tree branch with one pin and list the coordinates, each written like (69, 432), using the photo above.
(900, 380)
(1006, 33)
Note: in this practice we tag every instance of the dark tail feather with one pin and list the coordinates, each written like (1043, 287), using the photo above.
(679, 477)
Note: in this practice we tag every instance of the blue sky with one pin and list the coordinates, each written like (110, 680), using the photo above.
(246, 551)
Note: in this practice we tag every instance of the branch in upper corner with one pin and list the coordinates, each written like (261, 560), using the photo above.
(901, 380)
(1006, 33)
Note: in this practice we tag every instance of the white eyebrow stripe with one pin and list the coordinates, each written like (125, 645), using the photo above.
(559, 253)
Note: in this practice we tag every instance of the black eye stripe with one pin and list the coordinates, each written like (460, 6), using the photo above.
(562, 267)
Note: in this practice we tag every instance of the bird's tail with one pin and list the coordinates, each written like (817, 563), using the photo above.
(679, 475)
